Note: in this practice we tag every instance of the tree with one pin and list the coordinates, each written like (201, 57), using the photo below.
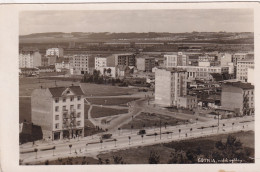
(155, 134)
(101, 141)
(154, 158)
(179, 132)
(197, 120)
(129, 139)
(115, 142)
(142, 138)
(190, 130)
(100, 161)
(132, 126)
(35, 150)
(70, 148)
(233, 125)
(86, 147)
(118, 160)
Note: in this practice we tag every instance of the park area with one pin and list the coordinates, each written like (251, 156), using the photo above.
(111, 101)
(149, 120)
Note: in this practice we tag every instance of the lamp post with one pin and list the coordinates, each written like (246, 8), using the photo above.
(115, 142)
(86, 147)
(129, 139)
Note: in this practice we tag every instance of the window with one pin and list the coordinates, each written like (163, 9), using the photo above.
(57, 109)
(78, 123)
(79, 106)
(57, 126)
(56, 117)
(71, 99)
(57, 100)
(64, 100)
(71, 107)
(78, 115)
(63, 107)
(79, 97)
(252, 98)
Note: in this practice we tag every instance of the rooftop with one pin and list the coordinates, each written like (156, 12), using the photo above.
(240, 85)
(57, 91)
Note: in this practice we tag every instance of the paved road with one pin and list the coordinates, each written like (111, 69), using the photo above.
(94, 147)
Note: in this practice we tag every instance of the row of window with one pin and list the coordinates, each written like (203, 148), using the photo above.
(57, 125)
(64, 107)
(57, 117)
(65, 99)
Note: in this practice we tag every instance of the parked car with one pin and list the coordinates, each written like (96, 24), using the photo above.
(140, 132)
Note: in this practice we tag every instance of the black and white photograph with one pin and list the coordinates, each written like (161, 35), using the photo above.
(136, 86)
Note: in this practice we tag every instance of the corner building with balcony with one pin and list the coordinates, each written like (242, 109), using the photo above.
(59, 111)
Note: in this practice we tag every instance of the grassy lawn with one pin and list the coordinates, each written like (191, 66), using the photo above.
(98, 112)
(110, 101)
(27, 85)
(149, 120)
(24, 109)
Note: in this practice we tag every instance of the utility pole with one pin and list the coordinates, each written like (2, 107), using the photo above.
(160, 128)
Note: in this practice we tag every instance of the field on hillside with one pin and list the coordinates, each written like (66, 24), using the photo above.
(98, 112)
(110, 101)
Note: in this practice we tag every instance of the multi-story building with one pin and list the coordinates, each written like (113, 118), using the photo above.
(127, 59)
(100, 62)
(225, 58)
(203, 72)
(242, 67)
(145, 63)
(82, 63)
(173, 60)
(59, 111)
(250, 76)
(29, 58)
(55, 52)
(189, 102)
(238, 97)
(170, 84)
(238, 57)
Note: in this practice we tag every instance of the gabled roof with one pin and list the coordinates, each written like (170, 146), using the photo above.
(57, 91)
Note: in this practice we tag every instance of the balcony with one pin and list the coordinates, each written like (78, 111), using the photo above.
(65, 115)
(73, 113)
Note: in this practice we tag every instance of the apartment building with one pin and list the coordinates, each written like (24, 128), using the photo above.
(170, 84)
(59, 111)
(238, 97)
(242, 69)
(250, 76)
(55, 52)
(29, 58)
(145, 63)
(100, 62)
(82, 63)
(173, 60)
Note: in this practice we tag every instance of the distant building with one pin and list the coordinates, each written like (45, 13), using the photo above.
(238, 96)
(173, 60)
(50, 68)
(62, 64)
(100, 62)
(29, 58)
(242, 67)
(170, 84)
(51, 59)
(145, 63)
(250, 76)
(238, 57)
(59, 111)
(122, 71)
(189, 102)
(207, 58)
(28, 71)
(225, 58)
(127, 59)
(55, 52)
(82, 63)
(203, 72)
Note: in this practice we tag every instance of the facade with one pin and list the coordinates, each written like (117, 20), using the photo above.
(225, 59)
(82, 63)
(189, 102)
(242, 67)
(29, 59)
(100, 62)
(238, 56)
(238, 96)
(59, 111)
(145, 63)
(170, 84)
(207, 58)
(203, 72)
(174, 60)
(55, 52)
(127, 59)
(250, 76)
(51, 59)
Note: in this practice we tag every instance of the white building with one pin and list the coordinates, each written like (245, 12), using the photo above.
(250, 75)
(29, 59)
(59, 111)
(82, 63)
(242, 67)
(100, 62)
(55, 52)
(173, 60)
(62, 64)
(225, 58)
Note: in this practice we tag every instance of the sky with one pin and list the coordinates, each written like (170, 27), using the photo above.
(175, 21)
